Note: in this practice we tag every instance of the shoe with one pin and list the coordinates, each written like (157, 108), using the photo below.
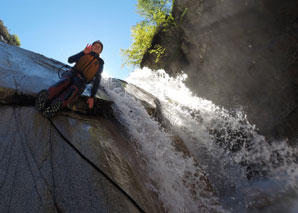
(41, 99)
(52, 109)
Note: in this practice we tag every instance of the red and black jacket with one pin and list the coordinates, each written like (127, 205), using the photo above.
(90, 66)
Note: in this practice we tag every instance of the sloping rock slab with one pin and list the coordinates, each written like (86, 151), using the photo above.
(40, 172)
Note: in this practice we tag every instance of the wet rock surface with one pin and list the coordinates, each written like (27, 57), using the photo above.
(237, 53)
(53, 165)
(39, 170)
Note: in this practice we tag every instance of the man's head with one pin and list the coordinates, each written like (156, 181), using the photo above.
(97, 46)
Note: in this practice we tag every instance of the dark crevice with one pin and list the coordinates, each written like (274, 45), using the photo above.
(52, 169)
(43, 161)
(101, 108)
(19, 100)
(104, 192)
(14, 178)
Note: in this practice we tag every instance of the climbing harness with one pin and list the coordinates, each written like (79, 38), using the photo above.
(68, 68)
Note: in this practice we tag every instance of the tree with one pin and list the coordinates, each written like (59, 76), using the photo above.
(10, 39)
(3, 31)
(155, 13)
(15, 40)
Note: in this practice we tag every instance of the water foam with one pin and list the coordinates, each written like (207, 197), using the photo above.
(180, 184)
(228, 147)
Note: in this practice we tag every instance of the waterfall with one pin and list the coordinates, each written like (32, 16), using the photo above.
(246, 172)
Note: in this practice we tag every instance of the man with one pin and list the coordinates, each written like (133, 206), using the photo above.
(88, 69)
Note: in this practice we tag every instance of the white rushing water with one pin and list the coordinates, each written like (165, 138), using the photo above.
(247, 173)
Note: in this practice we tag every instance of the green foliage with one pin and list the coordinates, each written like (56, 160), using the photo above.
(11, 39)
(14, 40)
(159, 51)
(142, 34)
(4, 31)
(155, 13)
(184, 13)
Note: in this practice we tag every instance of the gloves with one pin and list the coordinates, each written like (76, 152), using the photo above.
(90, 102)
(87, 49)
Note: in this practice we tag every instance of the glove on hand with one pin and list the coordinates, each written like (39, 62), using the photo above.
(90, 102)
(87, 49)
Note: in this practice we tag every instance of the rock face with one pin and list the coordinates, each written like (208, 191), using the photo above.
(237, 53)
(39, 170)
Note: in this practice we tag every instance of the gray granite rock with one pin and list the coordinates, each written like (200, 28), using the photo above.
(39, 170)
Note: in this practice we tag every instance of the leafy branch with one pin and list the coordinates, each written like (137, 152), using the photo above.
(10, 39)
(155, 13)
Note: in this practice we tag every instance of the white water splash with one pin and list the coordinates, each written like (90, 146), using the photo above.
(225, 143)
(179, 183)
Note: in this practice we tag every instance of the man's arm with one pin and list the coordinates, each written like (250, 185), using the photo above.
(96, 81)
(75, 57)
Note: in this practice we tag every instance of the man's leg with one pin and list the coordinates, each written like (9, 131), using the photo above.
(75, 89)
(41, 100)
(61, 85)
(44, 97)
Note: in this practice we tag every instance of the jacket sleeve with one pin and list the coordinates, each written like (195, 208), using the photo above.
(75, 57)
(96, 81)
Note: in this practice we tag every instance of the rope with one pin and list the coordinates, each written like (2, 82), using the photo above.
(66, 66)
(96, 168)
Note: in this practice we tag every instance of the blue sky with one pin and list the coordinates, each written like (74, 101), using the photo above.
(61, 28)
